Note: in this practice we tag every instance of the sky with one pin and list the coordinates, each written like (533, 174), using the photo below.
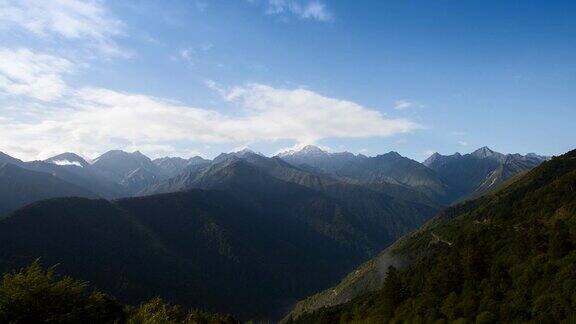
(200, 77)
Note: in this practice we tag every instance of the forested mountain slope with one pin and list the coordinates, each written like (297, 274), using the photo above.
(506, 257)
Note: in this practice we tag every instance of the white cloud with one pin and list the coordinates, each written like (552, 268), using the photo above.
(315, 10)
(185, 54)
(23, 72)
(87, 21)
(189, 53)
(214, 86)
(94, 120)
(463, 143)
(91, 121)
(403, 104)
(306, 116)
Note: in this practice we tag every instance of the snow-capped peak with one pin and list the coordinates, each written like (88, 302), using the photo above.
(66, 162)
(68, 159)
(306, 150)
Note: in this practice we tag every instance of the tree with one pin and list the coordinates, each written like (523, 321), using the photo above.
(485, 318)
(393, 292)
(34, 295)
(473, 261)
(560, 243)
(157, 311)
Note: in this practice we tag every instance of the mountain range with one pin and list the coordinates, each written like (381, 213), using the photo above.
(443, 179)
(206, 233)
(389, 168)
(473, 174)
(20, 187)
(260, 221)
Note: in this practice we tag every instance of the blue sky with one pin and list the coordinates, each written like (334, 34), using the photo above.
(201, 77)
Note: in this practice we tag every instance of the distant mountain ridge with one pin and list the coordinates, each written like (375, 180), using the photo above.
(5, 158)
(133, 171)
(385, 168)
(445, 179)
(174, 166)
(439, 181)
(19, 187)
(471, 175)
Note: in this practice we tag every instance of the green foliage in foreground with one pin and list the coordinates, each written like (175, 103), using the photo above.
(35, 295)
(157, 311)
(509, 259)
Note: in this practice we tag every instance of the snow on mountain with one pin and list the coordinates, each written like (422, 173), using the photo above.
(66, 162)
(68, 159)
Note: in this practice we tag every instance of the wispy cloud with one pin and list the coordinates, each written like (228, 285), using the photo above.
(188, 54)
(403, 104)
(214, 86)
(86, 21)
(40, 76)
(313, 10)
(185, 54)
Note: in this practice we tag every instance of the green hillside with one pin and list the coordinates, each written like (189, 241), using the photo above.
(508, 257)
